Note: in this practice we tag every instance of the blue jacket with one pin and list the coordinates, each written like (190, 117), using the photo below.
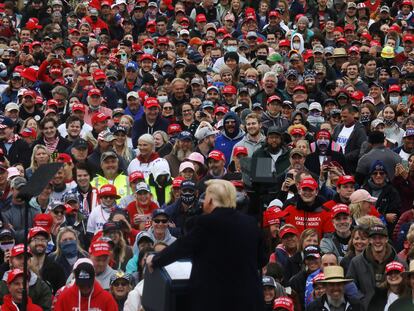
(141, 127)
(137, 115)
(225, 142)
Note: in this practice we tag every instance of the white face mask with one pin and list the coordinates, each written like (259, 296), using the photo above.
(296, 46)
(394, 100)
(162, 99)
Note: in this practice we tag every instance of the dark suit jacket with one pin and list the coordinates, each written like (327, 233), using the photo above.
(19, 152)
(227, 252)
(312, 160)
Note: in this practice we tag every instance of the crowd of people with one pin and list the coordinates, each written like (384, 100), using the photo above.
(305, 106)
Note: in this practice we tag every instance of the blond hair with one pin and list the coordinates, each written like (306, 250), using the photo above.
(222, 192)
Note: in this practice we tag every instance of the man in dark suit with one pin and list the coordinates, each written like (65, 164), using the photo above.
(226, 251)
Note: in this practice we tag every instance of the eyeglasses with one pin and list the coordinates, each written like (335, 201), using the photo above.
(168, 108)
(162, 221)
(380, 173)
(123, 284)
(59, 212)
(40, 240)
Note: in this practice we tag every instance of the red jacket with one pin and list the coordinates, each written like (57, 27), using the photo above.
(304, 217)
(146, 210)
(9, 305)
(100, 300)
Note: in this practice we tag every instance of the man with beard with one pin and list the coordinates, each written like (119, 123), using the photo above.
(216, 170)
(368, 268)
(206, 137)
(28, 107)
(231, 135)
(324, 152)
(308, 211)
(182, 211)
(134, 107)
(111, 174)
(41, 264)
(254, 137)
(337, 243)
(314, 93)
(183, 147)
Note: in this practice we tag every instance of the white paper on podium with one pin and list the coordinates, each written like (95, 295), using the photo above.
(179, 270)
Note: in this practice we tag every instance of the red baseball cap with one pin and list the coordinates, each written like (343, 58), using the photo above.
(136, 175)
(323, 134)
(98, 74)
(177, 182)
(274, 14)
(273, 98)
(284, 43)
(174, 128)
(200, 18)
(308, 183)
(94, 91)
(99, 248)
(220, 109)
(345, 179)
(64, 158)
(146, 56)
(298, 131)
(43, 220)
(101, 48)
(151, 102)
(394, 266)
(353, 49)
(51, 103)
(394, 88)
(78, 107)
(408, 38)
(18, 250)
(286, 230)
(37, 230)
(108, 190)
(13, 274)
(240, 150)
(217, 155)
(229, 89)
(340, 209)
(30, 93)
(357, 95)
(272, 216)
(283, 302)
(299, 88)
(163, 40)
(99, 117)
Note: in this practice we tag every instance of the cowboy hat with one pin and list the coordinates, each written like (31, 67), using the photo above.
(334, 274)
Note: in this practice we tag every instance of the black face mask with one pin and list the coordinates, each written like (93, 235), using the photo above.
(100, 85)
(94, 18)
(261, 57)
(188, 198)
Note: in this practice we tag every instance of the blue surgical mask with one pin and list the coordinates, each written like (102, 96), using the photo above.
(162, 99)
(69, 248)
(148, 51)
(231, 48)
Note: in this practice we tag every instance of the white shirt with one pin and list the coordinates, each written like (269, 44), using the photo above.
(136, 165)
(404, 155)
(85, 129)
(274, 158)
(343, 136)
(97, 219)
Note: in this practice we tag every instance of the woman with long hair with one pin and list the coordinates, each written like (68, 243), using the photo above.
(51, 138)
(121, 147)
(356, 245)
(10, 93)
(40, 156)
(394, 285)
(121, 251)
(392, 131)
(188, 122)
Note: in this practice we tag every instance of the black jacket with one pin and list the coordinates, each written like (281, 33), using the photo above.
(19, 152)
(312, 160)
(223, 237)
(61, 147)
(141, 127)
(321, 304)
(353, 145)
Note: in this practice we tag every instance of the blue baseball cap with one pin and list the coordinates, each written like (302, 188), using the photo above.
(185, 135)
(159, 211)
(132, 65)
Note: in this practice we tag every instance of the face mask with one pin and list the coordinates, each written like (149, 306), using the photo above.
(187, 198)
(365, 119)
(6, 246)
(162, 99)
(296, 46)
(394, 100)
(243, 104)
(231, 48)
(107, 209)
(219, 41)
(252, 92)
(164, 73)
(322, 144)
(261, 57)
(100, 85)
(388, 121)
(68, 80)
(315, 113)
(148, 51)
(69, 248)
(213, 59)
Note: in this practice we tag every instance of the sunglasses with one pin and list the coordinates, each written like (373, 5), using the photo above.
(58, 212)
(123, 284)
(379, 173)
(167, 108)
(158, 221)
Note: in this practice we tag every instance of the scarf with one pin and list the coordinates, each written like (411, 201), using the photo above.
(51, 145)
(13, 139)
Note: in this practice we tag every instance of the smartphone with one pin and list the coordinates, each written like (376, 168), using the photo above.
(289, 175)
(327, 160)
(26, 49)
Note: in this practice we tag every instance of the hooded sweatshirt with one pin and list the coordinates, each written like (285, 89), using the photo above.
(226, 141)
(99, 300)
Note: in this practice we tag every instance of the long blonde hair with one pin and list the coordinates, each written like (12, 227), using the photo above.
(33, 164)
(62, 231)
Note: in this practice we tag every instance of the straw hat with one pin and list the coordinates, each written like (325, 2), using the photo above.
(334, 274)
(411, 268)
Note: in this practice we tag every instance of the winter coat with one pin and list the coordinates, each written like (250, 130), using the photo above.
(353, 145)
(10, 305)
(62, 262)
(362, 272)
(15, 216)
(180, 218)
(225, 142)
(280, 122)
(313, 164)
(402, 304)
(332, 244)
(71, 299)
(39, 291)
(61, 146)
(404, 188)
(321, 304)
(236, 238)
(141, 127)
(19, 152)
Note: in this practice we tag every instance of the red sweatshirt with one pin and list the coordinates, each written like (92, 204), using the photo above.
(9, 305)
(99, 300)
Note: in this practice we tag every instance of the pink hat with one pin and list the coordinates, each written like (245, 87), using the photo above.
(12, 172)
(196, 157)
(362, 195)
(186, 164)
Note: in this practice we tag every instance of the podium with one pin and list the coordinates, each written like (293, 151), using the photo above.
(167, 288)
